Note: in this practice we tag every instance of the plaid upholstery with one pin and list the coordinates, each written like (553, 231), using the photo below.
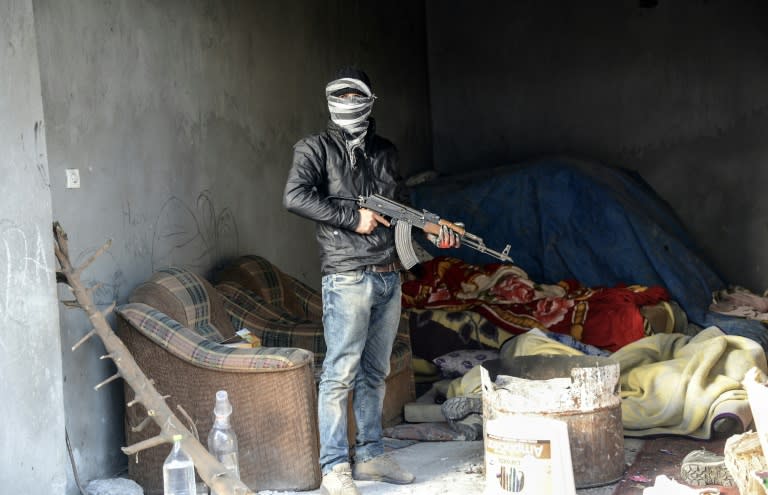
(307, 299)
(274, 286)
(400, 359)
(285, 312)
(268, 275)
(248, 310)
(171, 326)
(273, 326)
(190, 293)
(401, 349)
(248, 300)
(189, 345)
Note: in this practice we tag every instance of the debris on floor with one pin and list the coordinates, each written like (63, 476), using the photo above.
(114, 486)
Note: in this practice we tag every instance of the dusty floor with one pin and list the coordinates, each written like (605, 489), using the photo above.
(450, 468)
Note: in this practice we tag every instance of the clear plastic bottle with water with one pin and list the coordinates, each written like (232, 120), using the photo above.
(222, 440)
(178, 471)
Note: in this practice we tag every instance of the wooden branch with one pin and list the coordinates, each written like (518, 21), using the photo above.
(146, 444)
(144, 423)
(213, 473)
(83, 339)
(80, 269)
(111, 308)
(108, 380)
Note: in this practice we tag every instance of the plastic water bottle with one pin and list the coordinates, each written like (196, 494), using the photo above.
(222, 440)
(178, 471)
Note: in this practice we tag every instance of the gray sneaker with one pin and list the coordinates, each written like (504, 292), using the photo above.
(457, 408)
(338, 481)
(471, 427)
(701, 468)
(381, 468)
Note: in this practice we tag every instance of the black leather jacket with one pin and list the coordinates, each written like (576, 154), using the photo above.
(321, 171)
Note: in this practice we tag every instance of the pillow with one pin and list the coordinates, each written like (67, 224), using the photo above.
(457, 363)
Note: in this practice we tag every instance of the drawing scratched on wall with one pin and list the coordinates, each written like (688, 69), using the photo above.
(40, 160)
(23, 269)
(194, 238)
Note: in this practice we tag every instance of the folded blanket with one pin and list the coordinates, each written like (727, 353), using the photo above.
(671, 384)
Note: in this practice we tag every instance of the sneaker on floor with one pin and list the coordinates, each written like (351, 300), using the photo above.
(338, 481)
(471, 427)
(702, 468)
(381, 468)
(460, 407)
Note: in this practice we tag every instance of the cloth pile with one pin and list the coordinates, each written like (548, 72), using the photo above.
(503, 294)
(670, 384)
(573, 219)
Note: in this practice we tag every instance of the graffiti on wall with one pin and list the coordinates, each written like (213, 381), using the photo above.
(194, 237)
(24, 269)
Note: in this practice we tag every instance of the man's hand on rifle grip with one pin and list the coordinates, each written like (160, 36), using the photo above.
(447, 237)
(369, 220)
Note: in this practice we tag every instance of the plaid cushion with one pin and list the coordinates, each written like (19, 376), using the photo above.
(280, 289)
(273, 327)
(269, 277)
(281, 311)
(189, 290)
(401, 357)
(189, 346)
(307, 301)
(250, 311)
(235, 293)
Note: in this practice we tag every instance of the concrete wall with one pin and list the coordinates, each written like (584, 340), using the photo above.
(33, 457)
(676, 92)
(181, 116)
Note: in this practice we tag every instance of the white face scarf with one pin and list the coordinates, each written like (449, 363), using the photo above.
(351, 113)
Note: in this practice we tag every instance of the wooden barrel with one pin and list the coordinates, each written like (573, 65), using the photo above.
(582, 391)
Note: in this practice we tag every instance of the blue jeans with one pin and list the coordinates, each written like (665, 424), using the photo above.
(361, 312)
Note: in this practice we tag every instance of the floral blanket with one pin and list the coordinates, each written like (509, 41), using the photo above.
(504, 295)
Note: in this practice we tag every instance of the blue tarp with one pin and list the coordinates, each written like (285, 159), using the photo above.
(600, 225)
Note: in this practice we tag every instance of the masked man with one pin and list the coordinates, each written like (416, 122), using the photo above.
(360, 277)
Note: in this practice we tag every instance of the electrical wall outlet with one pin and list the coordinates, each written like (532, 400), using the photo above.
(73, 178)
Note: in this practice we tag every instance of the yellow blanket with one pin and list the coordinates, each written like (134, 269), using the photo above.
(671, 384)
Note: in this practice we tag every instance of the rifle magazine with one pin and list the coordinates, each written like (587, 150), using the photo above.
(404, 246)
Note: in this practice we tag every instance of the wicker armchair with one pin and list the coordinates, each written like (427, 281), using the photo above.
(172, 326)
(283, 311)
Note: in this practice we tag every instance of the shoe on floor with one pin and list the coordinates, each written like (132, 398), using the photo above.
(381, 468)
(702, 468)
(460, 407)
(338, 481)
(470, 427)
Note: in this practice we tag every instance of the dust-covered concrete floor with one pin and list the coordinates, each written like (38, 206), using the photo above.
(450, 468)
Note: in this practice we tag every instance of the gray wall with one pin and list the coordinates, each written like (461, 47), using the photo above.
(32, 446)
(676, 92)
(181, 116)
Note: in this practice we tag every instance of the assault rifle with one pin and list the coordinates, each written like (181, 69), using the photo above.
(404, 217)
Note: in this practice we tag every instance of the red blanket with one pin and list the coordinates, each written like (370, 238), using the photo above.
(608, 318)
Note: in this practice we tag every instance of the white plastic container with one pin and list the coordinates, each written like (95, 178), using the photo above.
(528, 456)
